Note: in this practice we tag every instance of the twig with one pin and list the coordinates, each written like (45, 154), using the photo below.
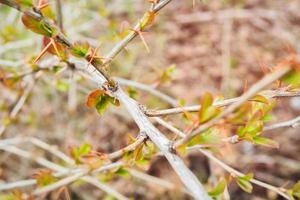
(149, 89)
(290, 123)
(20, 102)
(154, 180)
(106, 188)
(281, 71)
(59, 14)
(169, 126)
(124, 42)
(234, 172)
(222, 103)
(130, 147)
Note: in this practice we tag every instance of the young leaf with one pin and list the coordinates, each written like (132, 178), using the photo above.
(244, 182)
(294, 192)
(80, 49)
(93, 159)
(207, 110)
(148, 19)
(47, 11)
(218, 190)
(77, 152)
(122, 172)
(167, 74)
(44, 177)
(37, 26)
(100, 100)
(260, 98)
(265, 142)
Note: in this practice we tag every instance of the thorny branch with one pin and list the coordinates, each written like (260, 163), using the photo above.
(186, 176)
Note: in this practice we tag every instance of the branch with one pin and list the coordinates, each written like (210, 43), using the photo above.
(267, 80)
(290, 123)
(124, 42)
(149, 89)
(239, 174)
(59, 14)
(226, 102)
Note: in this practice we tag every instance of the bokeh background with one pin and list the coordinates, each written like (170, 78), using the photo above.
(213, 45)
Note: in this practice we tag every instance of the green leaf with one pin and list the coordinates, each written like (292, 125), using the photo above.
(80, 49)
(292, 78)
(260, 98)
(37, 26)
(219, 189)
(25, 2)
(122, 172)
(265, 142)
(77, 152)
(100, 100)
(207, 111)
(147, 19)
(138, 152)
(295, 191)
(168, 74)
(44, 177)
(244, 182)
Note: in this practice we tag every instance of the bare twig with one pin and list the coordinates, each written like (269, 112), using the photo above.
(290, 123)
(104, 187)
(59, 14)
(149, 89)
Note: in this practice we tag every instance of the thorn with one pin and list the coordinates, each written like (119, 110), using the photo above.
(42, 53)
(54, 46)
(140, 33)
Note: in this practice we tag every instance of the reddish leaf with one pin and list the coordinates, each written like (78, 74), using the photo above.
(93, 98)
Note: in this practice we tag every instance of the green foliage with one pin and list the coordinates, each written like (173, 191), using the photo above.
(292, 78)
(122, 172)
(44, 177)
(218, 189)
(168, 73)
(294, 192)
(207, 110)
(38, 26)
(77, 152)
(147, 19)
(100, 100)
(80, 49)
(244, 182)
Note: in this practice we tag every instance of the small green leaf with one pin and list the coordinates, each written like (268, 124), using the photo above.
(80, 49)
(265, 142)
(168, 74)
(44, 177)
(138, 152)
(260, 98)
(77, 152)
(207, 110)
(295, 191)
(147, 19)
(122, 172)
(244, 182)
(218, 190)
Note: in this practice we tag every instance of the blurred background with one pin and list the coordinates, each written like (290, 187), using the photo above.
(195, 46)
